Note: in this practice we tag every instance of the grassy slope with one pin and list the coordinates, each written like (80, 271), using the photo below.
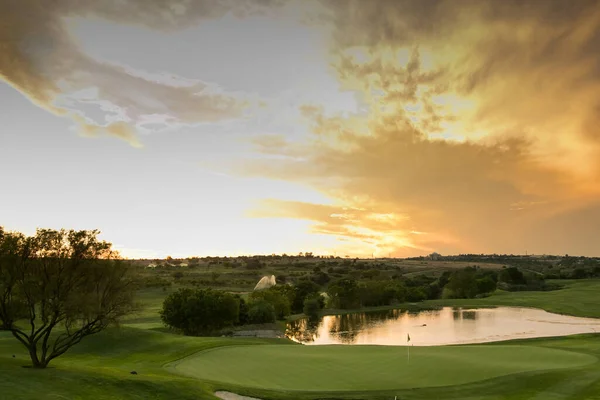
(578, 298)
(99, 368)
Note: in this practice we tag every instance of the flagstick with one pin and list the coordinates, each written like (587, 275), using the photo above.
(408, 348)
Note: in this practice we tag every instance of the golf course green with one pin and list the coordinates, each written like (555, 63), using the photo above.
(171, 366)
(351, 368)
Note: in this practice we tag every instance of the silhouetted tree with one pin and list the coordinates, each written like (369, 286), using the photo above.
(65, 281)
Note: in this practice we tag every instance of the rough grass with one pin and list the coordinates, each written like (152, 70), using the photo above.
(99, 367)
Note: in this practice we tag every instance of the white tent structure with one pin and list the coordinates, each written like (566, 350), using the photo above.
(265, 282)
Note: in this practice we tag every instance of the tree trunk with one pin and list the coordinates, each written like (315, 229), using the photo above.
(35, 360)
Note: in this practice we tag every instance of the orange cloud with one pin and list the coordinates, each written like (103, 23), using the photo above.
(480, 127)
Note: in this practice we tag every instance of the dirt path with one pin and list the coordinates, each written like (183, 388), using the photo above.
(232, 396)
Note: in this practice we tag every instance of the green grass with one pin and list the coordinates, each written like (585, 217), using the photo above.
(99, 367)
(175, 367)
(578, 298)
(351, 368)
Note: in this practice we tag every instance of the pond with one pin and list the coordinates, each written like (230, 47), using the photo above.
(438, 327)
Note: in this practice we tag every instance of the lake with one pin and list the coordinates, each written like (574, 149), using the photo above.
(438, 327)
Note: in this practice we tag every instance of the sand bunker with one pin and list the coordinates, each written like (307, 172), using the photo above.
(232, 396)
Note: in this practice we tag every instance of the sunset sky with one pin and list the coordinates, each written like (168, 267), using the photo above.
(354, 127)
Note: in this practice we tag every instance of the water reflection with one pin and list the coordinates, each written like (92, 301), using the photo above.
(437, 327)
(459, 314)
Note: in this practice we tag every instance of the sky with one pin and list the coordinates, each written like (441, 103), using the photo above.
(347, 127)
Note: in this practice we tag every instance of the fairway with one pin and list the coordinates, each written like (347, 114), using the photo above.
(360, 368)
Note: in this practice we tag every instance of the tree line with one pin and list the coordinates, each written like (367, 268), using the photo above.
(208, 311)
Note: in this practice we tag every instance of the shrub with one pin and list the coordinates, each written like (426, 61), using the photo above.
(416, 294)
(312, 306)
(274, 296)
(344, 293)
(261, 312)
(177, 275)
(303, 289)
(200, 311)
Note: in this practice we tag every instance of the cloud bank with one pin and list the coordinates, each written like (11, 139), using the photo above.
(481, 128)
(40, 59)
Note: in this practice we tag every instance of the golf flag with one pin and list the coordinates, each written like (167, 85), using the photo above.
(407, 348)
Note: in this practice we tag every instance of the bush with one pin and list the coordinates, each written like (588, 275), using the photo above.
(277, 298)
(261, 312)
(155, 282)
(462, 284)
(344, 294)
(303, 289)
(512, 276)
(486, 285)
(177, 275)
(312, 306)
(200, 311)
(320, 278)
(381, 293)
(253, 264)
(416, 294)
(243, 318)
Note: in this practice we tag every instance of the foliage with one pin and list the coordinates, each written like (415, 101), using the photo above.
(177, 275)
(320, 278)
(303, 289)
(486, 285)
(380, 293)
(156, 281)
(200, 311)
(462, 284)
(312, 306)
(469, 283)
(416, 294)
(512, 275)
(344, 294)
(253, 264)
(60, 280)
(277, 297)
(243, 317)
(261, 311)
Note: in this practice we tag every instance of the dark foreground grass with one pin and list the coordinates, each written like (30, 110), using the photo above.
(99, 369)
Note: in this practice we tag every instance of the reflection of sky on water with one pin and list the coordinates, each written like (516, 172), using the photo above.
(438, 327)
